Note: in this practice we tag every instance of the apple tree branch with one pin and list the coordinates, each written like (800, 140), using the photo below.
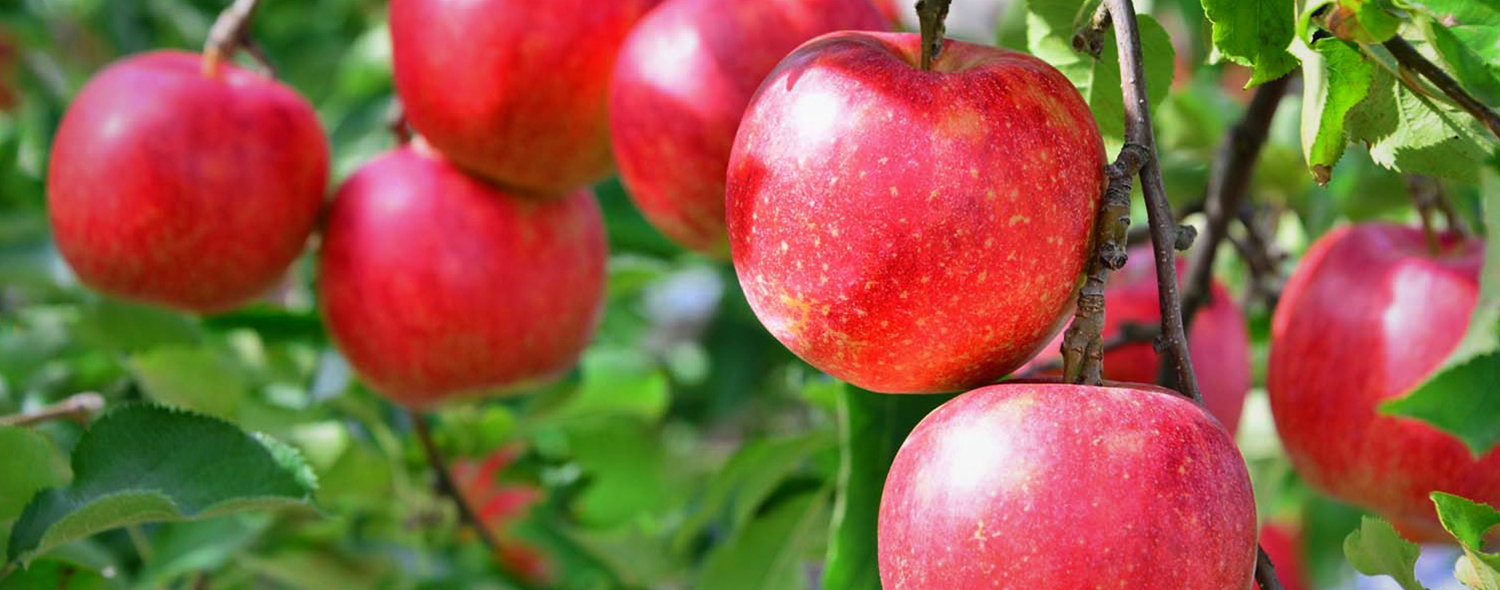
(448, 487)
(1165, 235)
(1229, 182)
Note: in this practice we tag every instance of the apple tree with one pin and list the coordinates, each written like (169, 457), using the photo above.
(753, 295)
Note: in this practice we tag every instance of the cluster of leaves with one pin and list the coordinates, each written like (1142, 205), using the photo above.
(689, 449)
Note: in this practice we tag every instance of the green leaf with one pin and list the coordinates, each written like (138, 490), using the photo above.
(1469, 522)
(1051, 24)
(1376, 550)
(771, 553)
(1474, 63)
(625, 463)
(1456, 398)
(872, 427)
(130, 327)
(746, 480)
(1336, 79)
(198, 379)
(1413, 134)
(30, 464)
(1475, 575)
(1255, 33)
(142, 463)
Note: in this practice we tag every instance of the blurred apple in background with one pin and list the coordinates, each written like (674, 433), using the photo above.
(680, 89)
(1369, 313)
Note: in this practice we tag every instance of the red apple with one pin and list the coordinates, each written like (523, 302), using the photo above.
(909, 230)
(1369, 314)
(680, 89)
(1219, 340)
(173, 187)
(890, 9)
(514, 90)
(435, 283)
(1284, 546)
(1047, 486)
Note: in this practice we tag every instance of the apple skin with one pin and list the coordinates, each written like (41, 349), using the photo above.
(513, 90)
(680, 89)
(1219, 340)
(436, 284)
(170, 187)
(1047, 486)
(907, 230)
(889, 9)
(1283, 545)
(1368, 315)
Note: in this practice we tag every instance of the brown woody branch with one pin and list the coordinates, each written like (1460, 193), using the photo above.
(1164, 230)
(448, 487)
(1130, 333)
(1083, 345)
(1228, 185)
(1410, 59)
(1165, 234)
(1090, 38)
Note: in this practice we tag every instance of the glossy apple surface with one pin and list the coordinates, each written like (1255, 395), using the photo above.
(513, 90)
(435, 283)
(1219, 340)
(909, 230)
(680, 88)
(1060, 487)
(171, 187)
(1368, 315)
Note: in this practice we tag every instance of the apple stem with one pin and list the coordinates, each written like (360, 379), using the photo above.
(930, 15)
(1228, 184)
(229, 34)
(1165, 233)
(447, 487)
(397, 124)
(1428, 197)
(1083, 346)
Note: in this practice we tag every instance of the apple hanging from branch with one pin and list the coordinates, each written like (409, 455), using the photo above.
(1049, 486)
(912, 230)
(182, 185)
(435, 283)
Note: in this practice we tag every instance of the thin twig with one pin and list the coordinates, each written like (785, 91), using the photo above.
(1083, 345)
(1409, 58)
(228, 34)
(79, 408)
(1228, 185)
(448, 487)
(1164, 229)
